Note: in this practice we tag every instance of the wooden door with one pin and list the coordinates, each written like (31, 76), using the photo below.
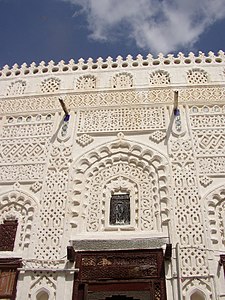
(125, 275)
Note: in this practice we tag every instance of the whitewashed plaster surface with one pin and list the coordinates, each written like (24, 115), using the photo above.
(57, 177)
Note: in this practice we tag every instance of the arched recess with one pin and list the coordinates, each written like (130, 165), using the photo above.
(42, 295)
(43, 285)
(215, 201)
(123, 166)
(20, 206)
(197, 289)
(198, 295)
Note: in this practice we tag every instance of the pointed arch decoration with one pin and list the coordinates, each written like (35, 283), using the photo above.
(197, 289)
(120, 166)
(20, 206)
(197, 295)
(43, 284)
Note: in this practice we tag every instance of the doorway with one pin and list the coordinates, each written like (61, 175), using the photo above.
(120, 275)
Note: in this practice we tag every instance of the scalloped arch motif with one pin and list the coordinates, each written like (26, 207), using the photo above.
(141, 171)
(20, 206)
(197, 76)
(50, 85)
(215, 210)
(159, 77)
(16, 88)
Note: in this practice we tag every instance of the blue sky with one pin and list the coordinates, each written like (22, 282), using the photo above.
(36, 30)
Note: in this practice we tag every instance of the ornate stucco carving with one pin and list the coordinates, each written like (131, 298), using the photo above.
(121, 165)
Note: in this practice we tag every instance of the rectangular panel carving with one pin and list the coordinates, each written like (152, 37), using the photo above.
(129, 119)
(121, 265)
(208, 130)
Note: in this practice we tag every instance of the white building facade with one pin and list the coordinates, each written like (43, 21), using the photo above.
(124, 197)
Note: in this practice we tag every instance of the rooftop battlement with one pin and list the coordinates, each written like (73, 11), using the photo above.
(119, 63)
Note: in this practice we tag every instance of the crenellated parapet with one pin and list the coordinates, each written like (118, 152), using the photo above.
(119, 63)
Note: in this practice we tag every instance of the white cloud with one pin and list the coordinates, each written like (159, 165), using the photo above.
(156, 25)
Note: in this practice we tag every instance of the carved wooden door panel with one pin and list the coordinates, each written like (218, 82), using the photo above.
(8, 277)
(126, 275)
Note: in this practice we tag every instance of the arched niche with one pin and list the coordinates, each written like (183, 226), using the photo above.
(122, 165)
(197, 296)
(215, 206)
(20, 206)
(197, 289)
(42, 296)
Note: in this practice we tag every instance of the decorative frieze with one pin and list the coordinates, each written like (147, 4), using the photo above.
(113, 98)
(24, 150)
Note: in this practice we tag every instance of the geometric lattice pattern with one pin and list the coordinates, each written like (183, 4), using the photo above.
(24, 143)
(120, 119)
(16, 88)
(84, 140)
(189, 225)
(197, 76)
(53, 205)
(208, 131)
(50, 85)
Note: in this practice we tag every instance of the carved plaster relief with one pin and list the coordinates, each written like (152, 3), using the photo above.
(53, 204)
(159, 77)
(208, 130)
(16, 88)
(43, 282)
(22, 207)
(86, 82)
(122, 80)
(197, 76)
(215, 202)
(50, 85)
(121, 119)
(121, 166)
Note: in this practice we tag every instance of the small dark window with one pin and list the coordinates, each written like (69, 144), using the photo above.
(8, 235)
(120, 209)
(222, 262)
